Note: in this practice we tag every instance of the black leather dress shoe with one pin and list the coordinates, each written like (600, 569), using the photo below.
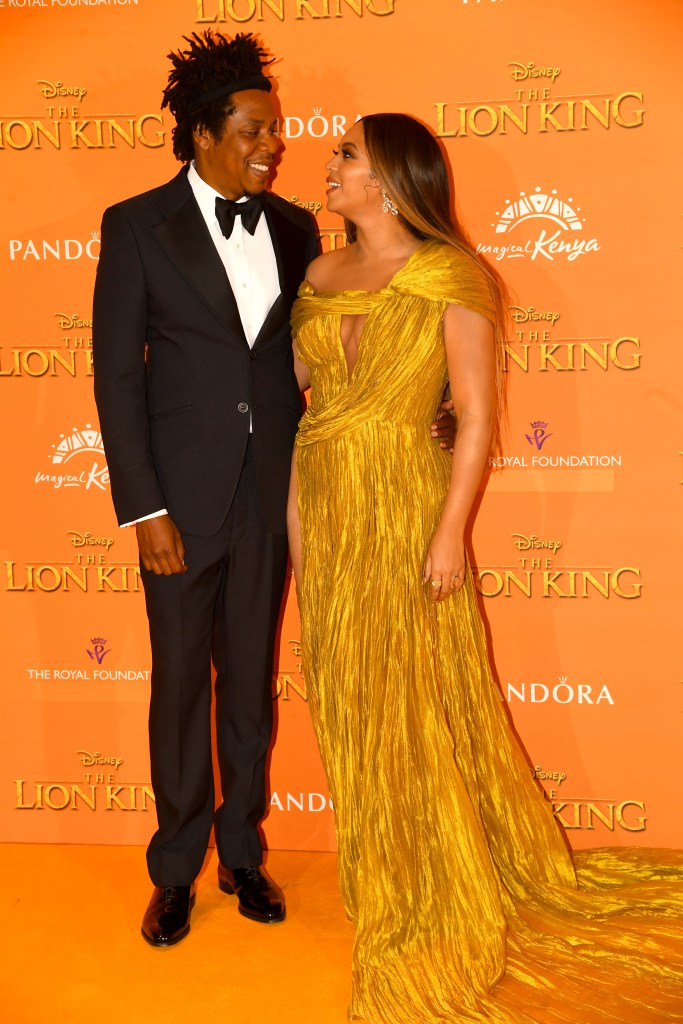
(167, 918)
(259, 897)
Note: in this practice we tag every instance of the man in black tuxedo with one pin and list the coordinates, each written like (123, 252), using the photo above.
(198, 407)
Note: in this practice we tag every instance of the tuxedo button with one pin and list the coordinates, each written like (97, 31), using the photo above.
(253, 355)
(243, 407)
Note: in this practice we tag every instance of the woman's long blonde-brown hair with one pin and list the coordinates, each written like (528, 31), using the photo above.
(409, 164)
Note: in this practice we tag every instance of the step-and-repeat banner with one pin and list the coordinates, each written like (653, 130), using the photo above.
(560, 123)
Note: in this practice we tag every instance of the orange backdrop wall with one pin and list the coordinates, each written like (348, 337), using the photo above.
(559, 120)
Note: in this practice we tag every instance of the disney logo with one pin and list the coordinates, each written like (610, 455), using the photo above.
(521, 316)
(314, 207)
(538, 773)
(523, 543)
(67, 323)
(79, 540)
(522, 71)
(88, 760)
(51, 89)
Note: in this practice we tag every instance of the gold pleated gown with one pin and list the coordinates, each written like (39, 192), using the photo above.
(466, 903)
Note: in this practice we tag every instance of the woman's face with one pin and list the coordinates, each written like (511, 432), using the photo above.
(353, 188)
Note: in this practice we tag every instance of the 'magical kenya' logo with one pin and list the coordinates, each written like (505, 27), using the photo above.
(560, 225)
(73, 449)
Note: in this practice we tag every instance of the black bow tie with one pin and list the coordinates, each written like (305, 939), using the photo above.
(228, 209)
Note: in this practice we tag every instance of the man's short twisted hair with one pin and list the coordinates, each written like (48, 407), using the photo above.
(203, 80)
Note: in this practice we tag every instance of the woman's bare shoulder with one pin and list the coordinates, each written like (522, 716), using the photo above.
(324, 271)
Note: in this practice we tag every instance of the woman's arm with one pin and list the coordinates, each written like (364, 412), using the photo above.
(293, 525)
(470, 354)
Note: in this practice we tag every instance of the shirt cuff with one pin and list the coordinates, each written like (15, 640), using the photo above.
(152, 515)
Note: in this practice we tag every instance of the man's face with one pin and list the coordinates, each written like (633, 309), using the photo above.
(241, 162)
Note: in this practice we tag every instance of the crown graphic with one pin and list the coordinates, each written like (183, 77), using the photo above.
(97, 640)
(539, 423)
(95, 235)
(87, 440)
(563, 679)
(317, 111)
(540, 204)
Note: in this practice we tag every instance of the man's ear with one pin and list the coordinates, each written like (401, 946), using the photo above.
(201, 136)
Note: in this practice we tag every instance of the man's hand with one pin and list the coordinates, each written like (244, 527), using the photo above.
(161, 547)
(444, 427)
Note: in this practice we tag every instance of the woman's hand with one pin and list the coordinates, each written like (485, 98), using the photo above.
(444, 426)
(444, 570)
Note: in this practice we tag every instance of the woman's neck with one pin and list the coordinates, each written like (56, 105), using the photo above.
(381, 241)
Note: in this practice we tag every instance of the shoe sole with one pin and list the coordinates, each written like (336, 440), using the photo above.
(227, 888)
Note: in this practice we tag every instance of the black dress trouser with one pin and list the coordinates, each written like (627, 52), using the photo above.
(225, 608)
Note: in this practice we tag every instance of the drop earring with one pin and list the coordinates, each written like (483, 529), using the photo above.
(389, 206)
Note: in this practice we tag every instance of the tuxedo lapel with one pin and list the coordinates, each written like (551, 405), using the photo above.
(185, 238)
(280, 232)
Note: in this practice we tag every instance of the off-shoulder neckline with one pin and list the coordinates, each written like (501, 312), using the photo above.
(373, 291)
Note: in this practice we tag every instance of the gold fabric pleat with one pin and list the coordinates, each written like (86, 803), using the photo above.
(467, 905)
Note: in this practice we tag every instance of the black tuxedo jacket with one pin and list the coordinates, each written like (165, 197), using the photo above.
(175, 379)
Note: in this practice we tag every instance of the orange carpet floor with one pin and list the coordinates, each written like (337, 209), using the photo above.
(72, 952)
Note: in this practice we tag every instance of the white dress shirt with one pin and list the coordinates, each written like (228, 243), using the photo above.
(249, 262)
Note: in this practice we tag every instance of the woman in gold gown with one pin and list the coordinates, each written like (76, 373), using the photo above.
(467, 905)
